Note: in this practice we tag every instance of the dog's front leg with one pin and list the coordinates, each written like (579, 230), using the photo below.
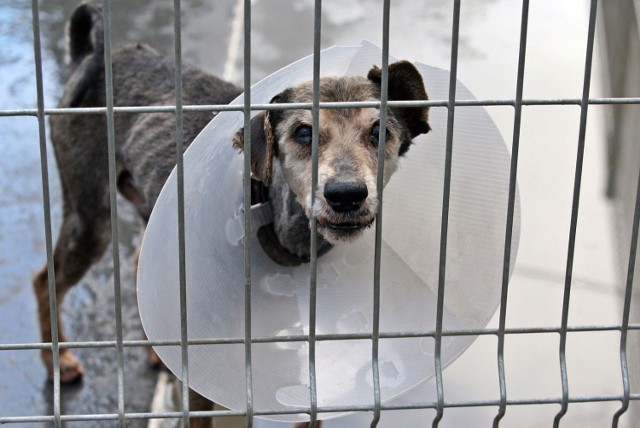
(70, 368)
(83, 239)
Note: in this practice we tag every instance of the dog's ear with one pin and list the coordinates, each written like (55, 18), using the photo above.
(262, 147)
(405, 84)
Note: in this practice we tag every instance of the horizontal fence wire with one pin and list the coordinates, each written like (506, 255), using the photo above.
(57, 418)
(323, 337)
(325, 105)
(327, 409)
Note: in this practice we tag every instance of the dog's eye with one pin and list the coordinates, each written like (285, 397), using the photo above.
(302, 135)
(375, 133)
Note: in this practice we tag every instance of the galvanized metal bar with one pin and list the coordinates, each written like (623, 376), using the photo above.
(313, 265)
(574, 214)
(182, 274)
(46, 200)
(246, 181)
(322, 105)
(513, 173)
(444, 228)
(626, 387)
(382, 139)
(322, 337)
(115, 251)
(328, 409)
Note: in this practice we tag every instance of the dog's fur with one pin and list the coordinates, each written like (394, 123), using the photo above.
(346, 198)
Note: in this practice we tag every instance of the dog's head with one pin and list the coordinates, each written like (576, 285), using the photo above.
(346, 200)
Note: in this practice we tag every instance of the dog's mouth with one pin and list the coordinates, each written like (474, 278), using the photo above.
(347, 226)
(342, 227)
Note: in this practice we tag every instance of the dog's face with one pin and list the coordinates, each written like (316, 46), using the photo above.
(346, 200)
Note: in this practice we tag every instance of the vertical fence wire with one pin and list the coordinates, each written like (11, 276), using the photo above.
(182, 275)
(515, 147)
(46, 199)
(115, 251)
(113, 206)
(626, 311)
(444, 228)
(584, 106)
(313, 274)
(384, 96)
(246, 182)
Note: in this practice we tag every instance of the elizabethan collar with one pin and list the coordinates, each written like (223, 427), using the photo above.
(280, 295)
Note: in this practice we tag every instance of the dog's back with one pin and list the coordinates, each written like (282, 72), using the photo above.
(141, 77)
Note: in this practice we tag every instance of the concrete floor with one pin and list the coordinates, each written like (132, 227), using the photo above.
(282, 32)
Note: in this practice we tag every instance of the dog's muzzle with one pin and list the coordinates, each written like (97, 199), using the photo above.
(344, 196)
(348, 211)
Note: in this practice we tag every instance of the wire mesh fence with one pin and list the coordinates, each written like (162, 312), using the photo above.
(437, 333)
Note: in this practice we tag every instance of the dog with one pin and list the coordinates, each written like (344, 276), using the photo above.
(345, 203)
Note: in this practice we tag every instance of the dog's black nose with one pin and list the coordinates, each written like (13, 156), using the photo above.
(345, 196)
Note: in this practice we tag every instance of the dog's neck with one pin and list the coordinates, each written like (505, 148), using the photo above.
(288, 240)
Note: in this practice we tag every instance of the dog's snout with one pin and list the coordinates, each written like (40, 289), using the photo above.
(345, 196)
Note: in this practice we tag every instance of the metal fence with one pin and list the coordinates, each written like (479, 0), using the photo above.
(451, 104)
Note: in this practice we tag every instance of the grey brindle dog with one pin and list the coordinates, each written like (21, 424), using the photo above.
(346, 199)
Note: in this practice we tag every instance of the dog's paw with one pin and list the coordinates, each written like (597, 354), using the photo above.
(71, 370)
